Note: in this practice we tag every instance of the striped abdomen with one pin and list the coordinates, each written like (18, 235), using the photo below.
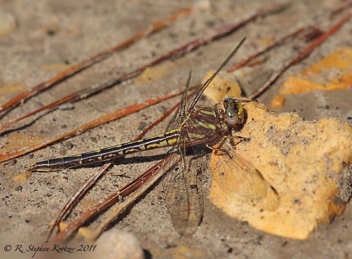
(164, 140)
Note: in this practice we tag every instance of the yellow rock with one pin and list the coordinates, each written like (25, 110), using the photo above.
(223, 85)
(265, 41)
(7, 23)
(331, 73)
(278, 101)
(302, 177)
(22, 177)
(55, 67)
(83, 231)
(12, 87)
(184, 252)
(52, 29)
(19, 140)
(154, 73)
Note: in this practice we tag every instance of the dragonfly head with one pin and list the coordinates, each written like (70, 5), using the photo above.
(234, 112)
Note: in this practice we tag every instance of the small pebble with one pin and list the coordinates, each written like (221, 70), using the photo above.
(94, 139)
(66, 106)
(142, 125)
(7, 23)
(118, 244)
(63, 151)
(68, 145)
(277, 102)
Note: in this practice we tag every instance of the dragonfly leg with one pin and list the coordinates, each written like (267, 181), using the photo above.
(246, 100)
(218, 150)
(238, 138)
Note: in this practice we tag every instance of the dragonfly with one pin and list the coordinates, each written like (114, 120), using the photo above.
(191, 126)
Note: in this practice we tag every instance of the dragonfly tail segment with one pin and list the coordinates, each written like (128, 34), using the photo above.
(164, 140)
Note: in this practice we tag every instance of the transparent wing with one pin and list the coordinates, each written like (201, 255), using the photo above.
(185, 203)
(184, 198)
(236, 176)
(180, 113)
(183, 195)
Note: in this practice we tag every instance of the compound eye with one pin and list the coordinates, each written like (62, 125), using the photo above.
(231, 116)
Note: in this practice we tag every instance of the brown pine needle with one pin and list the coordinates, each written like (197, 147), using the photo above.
(78, 194)
(84, 93)
(245, 61)
(90, 61)
(220, 32)
(340, 9)
(317, 42)
(150, 176)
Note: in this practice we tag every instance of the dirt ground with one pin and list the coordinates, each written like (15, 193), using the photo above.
(53, 34)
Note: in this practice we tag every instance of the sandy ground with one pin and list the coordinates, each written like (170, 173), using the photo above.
(64, 32)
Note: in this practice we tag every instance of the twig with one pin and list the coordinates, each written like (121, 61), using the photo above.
(303, 54)
(90, 61)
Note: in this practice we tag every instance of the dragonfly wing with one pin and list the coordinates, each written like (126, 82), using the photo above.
(183, 194)
(184, 197)
(196, 204)
(180, 113)
(177, 203)
(236, 176)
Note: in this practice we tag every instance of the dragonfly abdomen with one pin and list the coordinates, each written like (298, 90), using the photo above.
(109, 153)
